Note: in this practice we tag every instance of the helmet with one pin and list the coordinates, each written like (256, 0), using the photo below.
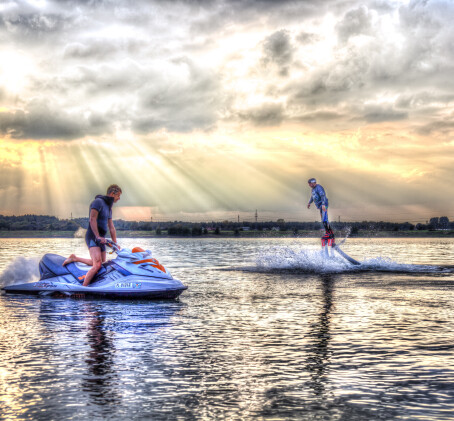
(312, 180)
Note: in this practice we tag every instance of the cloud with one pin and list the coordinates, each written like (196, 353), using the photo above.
(355, 22)
(320, 116)
(30, 26)
(337, 82)
(112, 77)
(266, 115)
(378, 61)
(42, 120)
(188, 97)
(99, 48)
(379, 114)
(215, 16)
(307, 37)
(168, 65)
(444, 127)
(278, 50)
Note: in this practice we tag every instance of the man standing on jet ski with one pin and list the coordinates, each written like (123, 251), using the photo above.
(318, 196)
(100, 221)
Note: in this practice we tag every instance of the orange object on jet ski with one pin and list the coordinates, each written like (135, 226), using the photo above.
(153, 263)
(138, 250)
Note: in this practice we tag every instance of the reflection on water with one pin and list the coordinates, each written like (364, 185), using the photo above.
(318, 352)
(101, 379)
(244, 341)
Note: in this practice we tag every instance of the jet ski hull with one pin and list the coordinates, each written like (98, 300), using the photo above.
(58, 290)
(118, 278)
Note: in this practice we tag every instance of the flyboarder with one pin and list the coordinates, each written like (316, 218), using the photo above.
(318, 196)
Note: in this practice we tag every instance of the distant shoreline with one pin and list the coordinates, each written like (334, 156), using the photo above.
(242, 234)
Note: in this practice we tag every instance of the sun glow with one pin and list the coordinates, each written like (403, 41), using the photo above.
(15, 67)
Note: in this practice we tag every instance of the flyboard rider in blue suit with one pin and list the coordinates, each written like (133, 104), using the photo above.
(318, 196)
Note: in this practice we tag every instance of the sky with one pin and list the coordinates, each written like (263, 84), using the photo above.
(206, 110)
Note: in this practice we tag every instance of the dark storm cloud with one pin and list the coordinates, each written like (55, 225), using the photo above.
(43, 121)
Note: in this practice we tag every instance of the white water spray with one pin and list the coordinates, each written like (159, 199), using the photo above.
(20, 270)
(314, 261)
(304, 259)
(80, 233)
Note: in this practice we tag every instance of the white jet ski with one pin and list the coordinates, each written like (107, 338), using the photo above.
(132, 274)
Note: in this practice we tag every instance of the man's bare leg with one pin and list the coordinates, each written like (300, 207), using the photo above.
(96, 257)
(74, 258)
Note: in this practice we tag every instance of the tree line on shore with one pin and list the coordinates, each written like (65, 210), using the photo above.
(52, 223)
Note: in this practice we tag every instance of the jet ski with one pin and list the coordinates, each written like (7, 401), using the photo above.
(132, 274)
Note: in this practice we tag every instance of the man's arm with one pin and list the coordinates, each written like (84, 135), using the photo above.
(112, 230)
(310, 201)
(94, 224)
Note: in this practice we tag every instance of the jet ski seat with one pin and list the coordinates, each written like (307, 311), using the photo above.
(51, 265)
(79, 273)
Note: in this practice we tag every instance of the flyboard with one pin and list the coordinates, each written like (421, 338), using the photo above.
(336, 248)
(345, 255)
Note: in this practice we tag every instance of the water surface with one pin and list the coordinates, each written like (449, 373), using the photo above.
(266, 330)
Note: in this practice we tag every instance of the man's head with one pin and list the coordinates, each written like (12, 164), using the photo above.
(114, 191)
(312, 182)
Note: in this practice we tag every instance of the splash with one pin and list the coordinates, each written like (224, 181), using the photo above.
(20, 270)
(385, 264)
(303, 259)
(313, 261)
(80, 233)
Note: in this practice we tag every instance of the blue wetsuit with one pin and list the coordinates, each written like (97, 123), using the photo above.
(318, 196)
(103, 204)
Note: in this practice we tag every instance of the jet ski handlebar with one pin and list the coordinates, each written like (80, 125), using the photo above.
(113, 245)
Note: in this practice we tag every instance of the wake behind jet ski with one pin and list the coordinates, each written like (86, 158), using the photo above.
(132, 274)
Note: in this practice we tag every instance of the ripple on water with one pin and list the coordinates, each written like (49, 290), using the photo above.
(293, 337)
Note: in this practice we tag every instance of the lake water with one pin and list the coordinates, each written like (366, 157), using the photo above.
(266, 330)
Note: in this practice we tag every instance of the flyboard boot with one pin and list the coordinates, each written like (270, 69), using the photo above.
(328, 240)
